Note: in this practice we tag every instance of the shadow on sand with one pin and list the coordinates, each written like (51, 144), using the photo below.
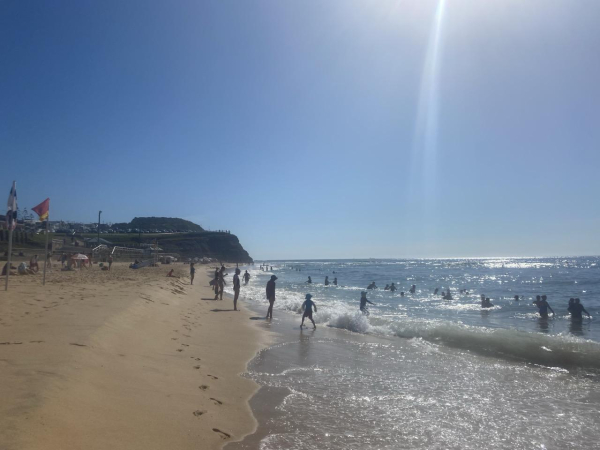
(257, 318)
(221, 310)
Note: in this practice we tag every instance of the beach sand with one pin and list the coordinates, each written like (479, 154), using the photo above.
(127, 359)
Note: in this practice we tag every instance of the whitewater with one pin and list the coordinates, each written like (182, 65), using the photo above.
(423, 372)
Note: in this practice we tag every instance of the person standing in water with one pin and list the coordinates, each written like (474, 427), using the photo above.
(363, 303)
(309, 281)
(576, 309)
(271, 295)
(393, 287)
(236, 288)
(543, 307)
(307, 307)
(246, 277)
(192, 273)
(326, 281)
(412, 289)
(335, 281)
(372, 286)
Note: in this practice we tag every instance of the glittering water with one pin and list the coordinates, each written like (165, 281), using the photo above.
(421, 372)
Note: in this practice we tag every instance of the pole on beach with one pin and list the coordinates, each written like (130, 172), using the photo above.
(10, 236)
(99, 212)
(46, 257)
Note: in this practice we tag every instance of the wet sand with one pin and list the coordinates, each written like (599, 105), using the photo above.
(123, 359)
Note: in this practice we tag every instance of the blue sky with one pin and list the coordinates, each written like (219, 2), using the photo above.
(313, 129)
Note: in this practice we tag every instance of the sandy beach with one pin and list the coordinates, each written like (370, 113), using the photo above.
(123, 359)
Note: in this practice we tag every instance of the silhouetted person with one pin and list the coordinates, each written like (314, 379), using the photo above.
(192, 273)
(326, 281)
(246, 277)
(436, 291)
(543, 307)
(517, 298)
(236, 288)
(363, 303)
(393, 287)
(413, 288)
(387, 287)
(372, 286)
(271, 295)
(309, 281)
(307, 307)
(448, 295)
(335, 281)
(576, 309)
(486, 303)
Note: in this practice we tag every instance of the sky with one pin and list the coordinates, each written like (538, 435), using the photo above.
(313, 129)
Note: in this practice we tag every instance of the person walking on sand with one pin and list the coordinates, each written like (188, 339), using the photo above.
(363, 303)
(221, 283)
(271, 296)
(246, 277)
(192, 273)
(236, 288)
(307, 307)
(110, 261)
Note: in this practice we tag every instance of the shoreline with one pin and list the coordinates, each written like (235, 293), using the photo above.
(127, 358)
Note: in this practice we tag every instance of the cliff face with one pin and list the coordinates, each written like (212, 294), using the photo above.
(221, 246)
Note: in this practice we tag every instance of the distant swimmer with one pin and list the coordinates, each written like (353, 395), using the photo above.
(517, 298)
(412, 289)
(543, 307)
(326, 281)
(271, 268)
(486, 303)
(246, 277)
(372, 286)
(402, 294)
(271, 295)
(393, 287)
(575, 309)
(448, 295)
(309, 280)
(307, 307)
(363, 303)
(436, 291)
(387, 287)
(335, 281)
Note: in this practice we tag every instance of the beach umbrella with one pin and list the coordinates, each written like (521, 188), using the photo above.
(79, 256)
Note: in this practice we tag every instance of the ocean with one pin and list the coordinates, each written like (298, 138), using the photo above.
(421, 372)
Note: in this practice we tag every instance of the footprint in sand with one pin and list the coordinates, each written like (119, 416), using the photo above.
(198, 413)
(204, 387)
(78, 345)
(196, 367)
(212, 376)
(221, 433)
(174, 339)
(217, 402)
(179, 349)
(185, 345)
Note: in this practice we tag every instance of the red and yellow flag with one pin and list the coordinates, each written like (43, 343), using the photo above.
(43, 209)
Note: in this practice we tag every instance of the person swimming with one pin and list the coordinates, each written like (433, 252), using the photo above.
(363, 303)
(517, 298)
(372, 286)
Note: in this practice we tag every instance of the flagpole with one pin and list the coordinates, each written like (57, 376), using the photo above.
(10, 237)
(46, 258)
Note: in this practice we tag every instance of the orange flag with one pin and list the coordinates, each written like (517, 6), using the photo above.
(43, 209)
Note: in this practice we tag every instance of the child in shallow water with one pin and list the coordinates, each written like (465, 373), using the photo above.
(307, 306)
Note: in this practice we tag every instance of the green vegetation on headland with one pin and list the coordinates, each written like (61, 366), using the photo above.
(157, 224)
